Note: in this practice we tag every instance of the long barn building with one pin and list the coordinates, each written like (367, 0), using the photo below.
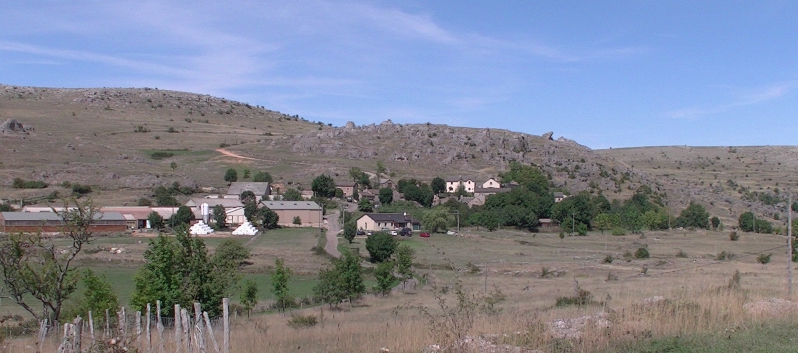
(51, 222)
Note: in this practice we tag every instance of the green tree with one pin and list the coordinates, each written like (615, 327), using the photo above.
(438, 185)
(360, 177)
(350, 230)
(380, 170)
(98, 296)
(715, 222)
(437, 220)
(297, 220)
(246, 173)
(632, 219)
(386, 196)
(181, 217)
(269, 218)
(655, 219)
(173, 165)
(247, 196)
(231, 175)
(179, 271)
(385, 277)
(380, 246)
(404, 262)
(351, 276)
(693, 216)
(323, 186)
(607, 221)
(355, 195)
(230, 253)
(32, 268)
(365, 205)
(263, 177)
(251, 212)
(344, 280)
(577, 207)
(339, 193)
(280, 277)
(220, 217)
(530, 176)
(156, 220)
(292, 195)
(249, 295)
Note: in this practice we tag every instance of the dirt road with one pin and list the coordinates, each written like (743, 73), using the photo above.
(333, 227)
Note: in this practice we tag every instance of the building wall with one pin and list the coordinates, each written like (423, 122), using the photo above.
(310, 218)
(348, 190)
(469, 185)
(10, 228)
(491, 184)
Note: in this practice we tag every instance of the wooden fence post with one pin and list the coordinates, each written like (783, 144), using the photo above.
(178, 329)
(91, 328)
(42, 335)
(107, 325)
(159, 326)
(226, 322)
(186, 330)
(199, 333)
(147, 330)
(138, 330)
(77, 331)
(210, 332)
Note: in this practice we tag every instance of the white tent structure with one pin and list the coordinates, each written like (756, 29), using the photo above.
(246, 229)
(200, 228)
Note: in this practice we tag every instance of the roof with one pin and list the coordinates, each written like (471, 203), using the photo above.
(459, 178)
(258, 188)
(226, 203)
(390, 217)
(52, 216)
(559, 194)
(347, 184)
(291, 205)
(385, 180)
(138, 212)
(491, 190)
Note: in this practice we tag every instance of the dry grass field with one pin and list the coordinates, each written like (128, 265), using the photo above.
(532, 271)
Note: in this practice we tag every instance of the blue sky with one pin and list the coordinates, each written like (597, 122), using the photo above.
(606, 74)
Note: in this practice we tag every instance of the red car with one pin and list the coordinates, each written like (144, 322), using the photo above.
(424, 235)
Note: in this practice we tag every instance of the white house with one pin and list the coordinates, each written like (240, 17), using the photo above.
(452, 184)
(491, 183)
(382, 221)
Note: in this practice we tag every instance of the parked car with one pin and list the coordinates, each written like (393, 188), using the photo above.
(360, 232)
(406, 232)
(424, 235)
(393, 232)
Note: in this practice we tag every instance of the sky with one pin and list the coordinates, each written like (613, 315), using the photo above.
(606, 74)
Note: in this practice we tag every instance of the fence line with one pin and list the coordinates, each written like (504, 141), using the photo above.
(190, 333)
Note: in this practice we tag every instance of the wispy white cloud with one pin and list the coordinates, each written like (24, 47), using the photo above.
(750, 97)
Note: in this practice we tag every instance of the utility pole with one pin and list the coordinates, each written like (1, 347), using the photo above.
(789, 246)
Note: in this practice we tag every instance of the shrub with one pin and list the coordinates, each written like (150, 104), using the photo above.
(297, 220)
(642, 253)
(81, 189)
(20, 183)
(724, 255)
(608, 259)
(302, 321)
(582, 297)
(763, 259)
(681, 254)
(144, 202)
(171, 130)
(158, 155)
(141, 129)
(618, 231)
(733, 236)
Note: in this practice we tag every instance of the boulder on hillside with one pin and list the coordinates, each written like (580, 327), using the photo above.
(547, 136)
(13, 126)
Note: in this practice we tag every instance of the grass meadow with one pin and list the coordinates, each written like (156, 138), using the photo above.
(702, 305)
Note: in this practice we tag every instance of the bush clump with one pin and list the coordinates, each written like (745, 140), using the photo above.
(618, 231)
(763, 259)
(642, 253)
(303, 321)
(724, 255)
(158, 155)
(733, 236)
(608, 259)
(20, 183)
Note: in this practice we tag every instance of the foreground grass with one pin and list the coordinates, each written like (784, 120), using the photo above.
(773, 337)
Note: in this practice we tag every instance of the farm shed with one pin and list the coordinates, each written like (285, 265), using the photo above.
(32, 222)
(308, 212)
